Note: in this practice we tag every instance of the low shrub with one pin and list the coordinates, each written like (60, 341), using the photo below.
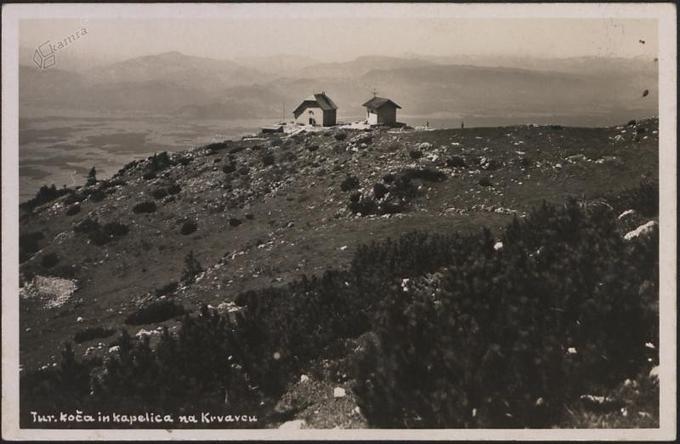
(235, 222)
(159, 193)
(157, 311)
(97, 195)
(509, 338)
(166, 289)
(43, 195)
(192, 268)
(144, 207)
(415, 154)
(86, 226)
(485, 181)
(98, 234)
(379, 190)
(349, 183)
(188, 227)
(268, 159)
(340, 136)
(643, 198)
(159, 162)
(455, 162)
(213, 148)
(73, 210)
(49, 260)
(115, 229)
(427, 174)
(229, 167)
(29, 243)
(90, 333)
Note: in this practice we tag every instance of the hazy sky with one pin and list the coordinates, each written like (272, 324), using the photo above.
(334, 39)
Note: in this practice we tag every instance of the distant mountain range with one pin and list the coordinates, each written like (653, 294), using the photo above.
(266, 87)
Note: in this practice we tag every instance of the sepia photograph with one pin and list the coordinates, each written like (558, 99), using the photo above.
(323, 221)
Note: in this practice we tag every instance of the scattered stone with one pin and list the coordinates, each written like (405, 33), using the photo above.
(641, 230)
(339, 392)
(654, 372)
(304, 378)
(296, 424)
(626, 214)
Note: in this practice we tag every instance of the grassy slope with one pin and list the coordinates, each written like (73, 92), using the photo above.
(268, 249)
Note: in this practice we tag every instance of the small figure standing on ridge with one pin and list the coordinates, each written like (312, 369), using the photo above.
(462, 124)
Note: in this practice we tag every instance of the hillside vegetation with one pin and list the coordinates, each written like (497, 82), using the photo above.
(500, 277)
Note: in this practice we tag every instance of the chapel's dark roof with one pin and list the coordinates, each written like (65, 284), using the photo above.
(379, 102)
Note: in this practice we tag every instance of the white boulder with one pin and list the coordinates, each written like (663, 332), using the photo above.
(641, 230)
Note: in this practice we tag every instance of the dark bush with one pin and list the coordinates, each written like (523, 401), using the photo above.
(90, 333)
(495, 340)
(173, 189)
(159, 193)
(236, 149)
(355, 197)
(29, 243)
(97, 195)
(379, 190)
(427, 174)
(364, 206)
(455, 162)
(388, 178)
(234, 222)
(157, 311)
(159, 162)
(188, 227)
(166, 289)
(229, 168)
(213, 148)
(485, 181)
(643, 198)
(244, 170)
(91, 177)
(349, 183)
(115, 229)
(86, 226)
(45, 194)
(49, 260)
(149, 175)
(100, 235)
(144, 207)
(73, 210)
(268, 159)
(340, 136)
(74, 197)
(312, 147)
(415, 154)
(192, 268)
(250, 216)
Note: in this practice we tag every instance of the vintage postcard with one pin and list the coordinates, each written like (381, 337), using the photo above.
(339, 221)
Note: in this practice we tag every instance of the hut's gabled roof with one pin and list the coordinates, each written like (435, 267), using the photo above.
(378, 102)
(321, 100)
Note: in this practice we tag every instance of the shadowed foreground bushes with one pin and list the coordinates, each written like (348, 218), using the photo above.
(507, 338)
(466, 333)
(157, 311)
